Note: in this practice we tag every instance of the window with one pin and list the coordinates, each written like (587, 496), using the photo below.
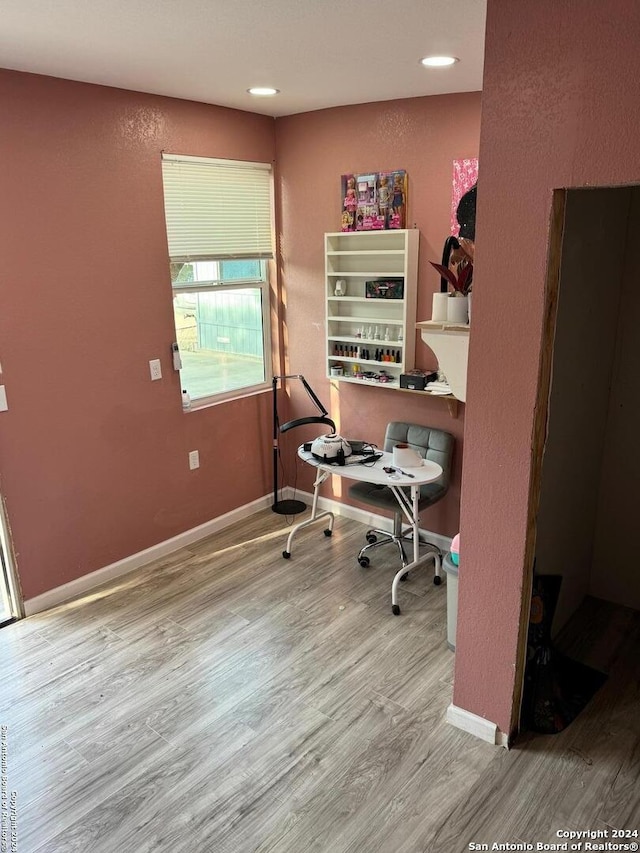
(219, 230)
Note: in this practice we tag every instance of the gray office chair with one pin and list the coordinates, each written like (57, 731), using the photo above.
(434, 444)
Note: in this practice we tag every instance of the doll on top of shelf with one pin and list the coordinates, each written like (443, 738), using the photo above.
(349, 204)
(369, 218)
(393, 220)
(350, 198)
(384, 198)
(398, 197)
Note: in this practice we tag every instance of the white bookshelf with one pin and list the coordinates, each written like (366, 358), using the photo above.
(353, 319)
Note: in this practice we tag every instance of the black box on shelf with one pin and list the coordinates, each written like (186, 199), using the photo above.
(384, 288)
(417, 380)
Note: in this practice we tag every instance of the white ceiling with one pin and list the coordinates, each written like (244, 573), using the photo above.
(319, 53)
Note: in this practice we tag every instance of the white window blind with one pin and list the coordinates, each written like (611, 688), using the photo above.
(217, 209)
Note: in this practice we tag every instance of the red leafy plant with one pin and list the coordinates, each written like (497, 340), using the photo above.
(461, 282)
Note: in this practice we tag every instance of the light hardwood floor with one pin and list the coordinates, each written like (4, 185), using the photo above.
(226, 700)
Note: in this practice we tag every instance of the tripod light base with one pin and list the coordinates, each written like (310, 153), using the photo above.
(288, 507)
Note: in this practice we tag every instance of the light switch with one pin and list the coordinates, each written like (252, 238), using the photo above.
(3, 399)
(155, 369)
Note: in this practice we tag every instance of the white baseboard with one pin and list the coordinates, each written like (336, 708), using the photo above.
(86, 583)
(477, 726)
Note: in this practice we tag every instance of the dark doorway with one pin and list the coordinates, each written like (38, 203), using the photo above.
(586, 459)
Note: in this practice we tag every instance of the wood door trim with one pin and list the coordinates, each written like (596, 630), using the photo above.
(539, 435)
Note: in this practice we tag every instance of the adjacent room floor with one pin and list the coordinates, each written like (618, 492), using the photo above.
(226, 700)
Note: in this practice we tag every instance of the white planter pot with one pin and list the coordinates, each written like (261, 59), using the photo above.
(439, 307)
(458, 310)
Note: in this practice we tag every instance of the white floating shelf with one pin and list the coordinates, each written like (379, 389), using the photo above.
(450, 344)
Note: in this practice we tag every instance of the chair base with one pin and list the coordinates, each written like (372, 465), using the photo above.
(376, 537)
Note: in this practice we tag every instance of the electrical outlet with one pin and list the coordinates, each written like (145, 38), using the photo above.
(194, 459)
(155, 369)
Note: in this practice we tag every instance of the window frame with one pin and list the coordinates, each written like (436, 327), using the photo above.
(221, 285)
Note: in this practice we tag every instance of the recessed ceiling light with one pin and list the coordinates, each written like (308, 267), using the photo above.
(263, 91)
(439, 61)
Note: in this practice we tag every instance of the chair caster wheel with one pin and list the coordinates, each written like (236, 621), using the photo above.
(364, 562)
(395, 609)
(371, 538)
(405, 577)
(328, 532)
(437, 581)
(286, 554)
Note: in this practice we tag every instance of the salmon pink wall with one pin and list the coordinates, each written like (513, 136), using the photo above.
(93, 455)
(559, 110)
(423, 136)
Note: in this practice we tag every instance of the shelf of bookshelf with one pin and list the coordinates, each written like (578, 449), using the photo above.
(363, 299)
(449, 399)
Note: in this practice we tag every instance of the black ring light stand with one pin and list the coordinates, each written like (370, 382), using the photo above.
(292, 507)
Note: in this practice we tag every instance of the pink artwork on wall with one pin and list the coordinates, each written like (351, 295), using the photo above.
(465, 175)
